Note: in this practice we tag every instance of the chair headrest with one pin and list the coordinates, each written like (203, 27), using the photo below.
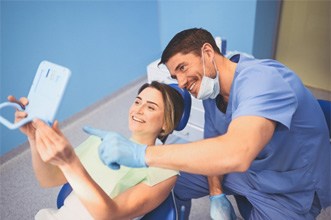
(187, 106)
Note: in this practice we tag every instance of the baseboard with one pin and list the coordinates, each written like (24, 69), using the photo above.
(320, 93)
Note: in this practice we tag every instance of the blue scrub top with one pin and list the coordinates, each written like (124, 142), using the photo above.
(295, 164)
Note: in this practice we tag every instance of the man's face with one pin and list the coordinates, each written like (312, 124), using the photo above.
(188, 71)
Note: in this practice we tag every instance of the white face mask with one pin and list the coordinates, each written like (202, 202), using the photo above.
(209, 87)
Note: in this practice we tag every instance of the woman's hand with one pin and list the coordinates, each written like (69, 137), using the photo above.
(26, 129)
(52, 145)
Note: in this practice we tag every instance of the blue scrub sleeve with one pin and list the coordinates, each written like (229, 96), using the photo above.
(263, 92)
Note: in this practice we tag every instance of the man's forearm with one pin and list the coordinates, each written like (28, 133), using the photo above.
(202, 157)
(231, 152)
(215, 185)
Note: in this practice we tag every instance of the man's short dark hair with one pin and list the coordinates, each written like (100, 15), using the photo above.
(187, 41)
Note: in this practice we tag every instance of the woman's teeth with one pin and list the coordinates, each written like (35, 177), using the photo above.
(137, 119)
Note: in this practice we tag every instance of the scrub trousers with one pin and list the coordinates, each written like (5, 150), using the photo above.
(192, 186)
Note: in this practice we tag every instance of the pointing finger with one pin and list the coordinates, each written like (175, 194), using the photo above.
(95, 132)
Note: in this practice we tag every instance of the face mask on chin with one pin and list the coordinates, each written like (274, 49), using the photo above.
(209, 87)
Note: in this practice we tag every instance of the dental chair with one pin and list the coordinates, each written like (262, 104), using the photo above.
(167, 209)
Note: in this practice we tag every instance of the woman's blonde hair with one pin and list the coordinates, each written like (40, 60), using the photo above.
(173, 106)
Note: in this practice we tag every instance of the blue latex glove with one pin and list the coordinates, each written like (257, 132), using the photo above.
(116, 150)
(221, 208)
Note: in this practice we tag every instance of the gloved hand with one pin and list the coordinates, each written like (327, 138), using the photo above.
(116, 150)
(221, 208)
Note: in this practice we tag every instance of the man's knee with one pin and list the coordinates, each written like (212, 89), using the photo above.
(191, 186)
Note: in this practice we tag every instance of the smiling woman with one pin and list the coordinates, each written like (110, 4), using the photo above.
(154, 101)
(146, 115)
(99, 192)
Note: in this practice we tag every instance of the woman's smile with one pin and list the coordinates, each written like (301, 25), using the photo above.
(137, 119)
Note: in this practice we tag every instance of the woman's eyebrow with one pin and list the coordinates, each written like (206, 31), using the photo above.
(153, 103)
(150, 102)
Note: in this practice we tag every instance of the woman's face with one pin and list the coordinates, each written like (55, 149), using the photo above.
(146, 115)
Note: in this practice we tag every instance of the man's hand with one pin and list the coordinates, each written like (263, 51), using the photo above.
(221, 208)
(116, 150)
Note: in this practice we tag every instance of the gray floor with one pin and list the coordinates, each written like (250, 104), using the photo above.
(20, 195)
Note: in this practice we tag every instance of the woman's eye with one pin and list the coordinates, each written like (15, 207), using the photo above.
(151, 108)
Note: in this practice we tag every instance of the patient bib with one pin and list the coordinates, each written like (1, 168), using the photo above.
(113, 182)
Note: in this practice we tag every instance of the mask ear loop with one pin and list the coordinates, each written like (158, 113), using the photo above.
(217, 72)
(204, 67)
(203, 62)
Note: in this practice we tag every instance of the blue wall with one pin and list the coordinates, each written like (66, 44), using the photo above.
(106, 44)
(233, 20)
(266, 28)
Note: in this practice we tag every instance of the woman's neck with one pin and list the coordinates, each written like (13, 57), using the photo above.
(143, 139)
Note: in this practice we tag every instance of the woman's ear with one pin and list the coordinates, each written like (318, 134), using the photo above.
(164, 127)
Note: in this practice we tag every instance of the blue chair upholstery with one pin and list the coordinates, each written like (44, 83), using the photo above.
(167, 209)
(326, 108)
(64, 192)
(187, 106)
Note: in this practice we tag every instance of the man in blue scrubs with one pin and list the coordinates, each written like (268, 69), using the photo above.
(265, 132)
